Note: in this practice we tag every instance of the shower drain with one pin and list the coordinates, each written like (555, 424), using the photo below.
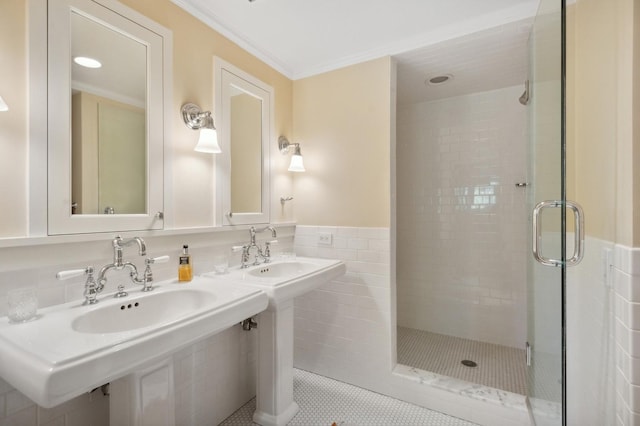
(468, 363)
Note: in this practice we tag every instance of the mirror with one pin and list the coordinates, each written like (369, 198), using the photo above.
(108, 112)
(245, 135)
(105, 124)
(243, 107)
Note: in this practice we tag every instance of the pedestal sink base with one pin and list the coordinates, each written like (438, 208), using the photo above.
(282, 418)
(274, 398)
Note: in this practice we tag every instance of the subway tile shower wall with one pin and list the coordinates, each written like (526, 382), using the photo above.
(461, 220)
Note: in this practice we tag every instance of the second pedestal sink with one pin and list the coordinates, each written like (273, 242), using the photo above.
(282, 281)
(286, 279)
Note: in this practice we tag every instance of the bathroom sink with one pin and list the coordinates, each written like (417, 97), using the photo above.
(282, 269)
(283, 280)
(142, 311)
(72, 348)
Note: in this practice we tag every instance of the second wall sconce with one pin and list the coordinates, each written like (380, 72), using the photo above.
(197, 119)
(296, 164)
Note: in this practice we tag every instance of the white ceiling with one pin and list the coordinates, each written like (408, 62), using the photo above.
(301, 38)
(487, 60)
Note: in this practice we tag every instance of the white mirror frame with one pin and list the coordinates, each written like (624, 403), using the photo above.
(224, 74)
(159, 44)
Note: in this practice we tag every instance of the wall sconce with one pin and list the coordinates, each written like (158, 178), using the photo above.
(296, 164)
(197, 119)
(3, 105)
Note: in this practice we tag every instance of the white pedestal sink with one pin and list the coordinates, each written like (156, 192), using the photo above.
(71, 348)
(282, 281)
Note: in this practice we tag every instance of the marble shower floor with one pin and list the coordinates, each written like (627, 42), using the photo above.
(324, 401)
(499, 367)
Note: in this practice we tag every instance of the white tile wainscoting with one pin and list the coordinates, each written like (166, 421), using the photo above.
(626, 284)
(603, 336)
(590, 338)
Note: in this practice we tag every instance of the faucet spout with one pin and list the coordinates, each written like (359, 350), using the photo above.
(142, 247)
(266, 228)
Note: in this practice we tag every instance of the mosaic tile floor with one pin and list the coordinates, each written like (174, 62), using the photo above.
(499, 367)
(325, 401)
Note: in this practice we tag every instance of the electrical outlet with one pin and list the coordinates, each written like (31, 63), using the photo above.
(325, 239)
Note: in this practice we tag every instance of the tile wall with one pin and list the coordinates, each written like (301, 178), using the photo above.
(345, 330)
(342, 329)
(591, 345)
(461, 221)
(213, 378)
(626, 279)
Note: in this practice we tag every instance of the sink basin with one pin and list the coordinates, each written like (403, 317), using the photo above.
(71, 349)
(142, 311)
(282, 269)
(282, 280)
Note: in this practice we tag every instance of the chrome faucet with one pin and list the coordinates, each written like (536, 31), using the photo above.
(93, 287)
(118, 263)
(259, 253)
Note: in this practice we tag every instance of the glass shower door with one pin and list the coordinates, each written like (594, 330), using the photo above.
(548, 206)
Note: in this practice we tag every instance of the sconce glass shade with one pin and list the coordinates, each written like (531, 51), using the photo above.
(208, 141)
(3, 105)
(296, 164)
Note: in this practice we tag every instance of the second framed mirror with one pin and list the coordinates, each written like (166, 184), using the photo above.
(244, 108)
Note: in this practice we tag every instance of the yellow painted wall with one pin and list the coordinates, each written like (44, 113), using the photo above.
(602, 126)
(13, 123)
(342, 120)
(594, 111)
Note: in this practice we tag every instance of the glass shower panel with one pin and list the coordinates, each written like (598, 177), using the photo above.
(546, 182)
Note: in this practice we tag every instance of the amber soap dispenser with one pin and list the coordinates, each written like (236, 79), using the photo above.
(185, 270)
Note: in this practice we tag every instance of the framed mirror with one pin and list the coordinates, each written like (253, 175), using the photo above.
(106, 93)
(244, 120)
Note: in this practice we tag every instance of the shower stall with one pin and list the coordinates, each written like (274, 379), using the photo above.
(462, 237)
(461, 154)
(474, 154)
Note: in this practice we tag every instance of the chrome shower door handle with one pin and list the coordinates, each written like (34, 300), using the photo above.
(578, 237)
(578, 246)
(537, 233)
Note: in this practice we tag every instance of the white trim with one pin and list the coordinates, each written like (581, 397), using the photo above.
(469, 26)
(233, 35)
(224, 71)
(157, 39)
(37, 119)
